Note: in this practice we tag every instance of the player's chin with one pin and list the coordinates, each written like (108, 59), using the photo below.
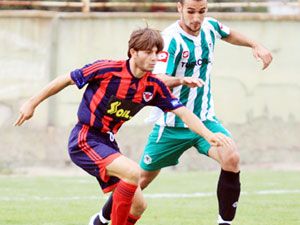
(195, 27)
(149, 68)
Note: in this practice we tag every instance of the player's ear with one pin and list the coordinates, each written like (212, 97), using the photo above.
(179, 7)
(132, 52)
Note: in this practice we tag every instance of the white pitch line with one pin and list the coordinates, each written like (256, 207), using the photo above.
(208, 194)
(149, 196)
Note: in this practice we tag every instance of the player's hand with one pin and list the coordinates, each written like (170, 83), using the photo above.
(219, 139)
(192, 82)
(263, 54)
(26, 112)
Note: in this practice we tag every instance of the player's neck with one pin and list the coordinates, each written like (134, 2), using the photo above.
(135, 70)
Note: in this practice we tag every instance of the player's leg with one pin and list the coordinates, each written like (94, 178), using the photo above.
(138, 203)
(129, 173)
(158, 153)
(164, 147)
(227, 156)
(228, 190)
(138, 206)
(147, 177)
(99, 155)
(103, 218)
(121, 199)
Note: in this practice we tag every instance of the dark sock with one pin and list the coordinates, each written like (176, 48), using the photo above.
(97, 221)
(228, 193)
(106, 210)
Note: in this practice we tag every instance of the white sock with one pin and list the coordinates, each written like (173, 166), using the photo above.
(102, 219)
(91, 222)
(220, 220)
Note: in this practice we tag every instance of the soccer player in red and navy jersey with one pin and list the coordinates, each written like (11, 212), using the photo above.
(115, 92)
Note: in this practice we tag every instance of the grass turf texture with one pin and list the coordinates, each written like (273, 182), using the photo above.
(68, 200)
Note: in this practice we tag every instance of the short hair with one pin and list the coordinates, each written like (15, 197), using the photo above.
(182, 1)
(145, 39)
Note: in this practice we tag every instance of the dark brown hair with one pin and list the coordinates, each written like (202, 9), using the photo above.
(182, 1)
(145, 39)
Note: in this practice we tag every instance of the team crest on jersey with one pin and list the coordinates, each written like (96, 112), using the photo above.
(147, 159)
(147, 96)
(185, 54)
(163, 56)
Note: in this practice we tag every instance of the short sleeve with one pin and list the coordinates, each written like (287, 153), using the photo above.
(219, 29)
(163, 98)
(82, 76)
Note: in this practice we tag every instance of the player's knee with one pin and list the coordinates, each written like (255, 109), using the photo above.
(133, 174)
(232, 161)
(140, 207)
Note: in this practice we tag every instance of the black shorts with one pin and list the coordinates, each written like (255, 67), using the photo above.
(93, 150)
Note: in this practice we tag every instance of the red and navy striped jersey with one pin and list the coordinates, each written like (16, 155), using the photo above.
(114, 95)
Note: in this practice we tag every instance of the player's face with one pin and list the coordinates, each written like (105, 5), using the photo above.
(192, 14)
(145, 60)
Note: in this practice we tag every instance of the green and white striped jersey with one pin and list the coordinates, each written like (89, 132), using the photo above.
(190, 56)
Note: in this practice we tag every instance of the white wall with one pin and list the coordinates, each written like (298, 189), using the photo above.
(36, 47)
(260, 108)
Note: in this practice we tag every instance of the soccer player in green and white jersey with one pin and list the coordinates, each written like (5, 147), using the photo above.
(186, 58)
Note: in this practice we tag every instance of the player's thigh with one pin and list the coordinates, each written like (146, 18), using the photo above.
(224, 154)
(124, 168)
(228, 157)
(204, 147)
(164, 147)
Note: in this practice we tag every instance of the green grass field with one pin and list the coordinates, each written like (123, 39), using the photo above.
(268, 198)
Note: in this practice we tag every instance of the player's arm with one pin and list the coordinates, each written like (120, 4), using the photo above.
(176, 81)
(196, 125)
(27, 109)
(166, 65)
(259, 51)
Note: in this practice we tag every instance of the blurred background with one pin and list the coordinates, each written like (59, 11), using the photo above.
(40, 40)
